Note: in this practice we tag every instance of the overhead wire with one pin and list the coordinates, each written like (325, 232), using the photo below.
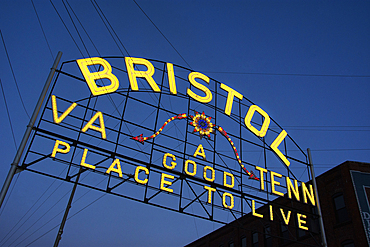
(74, 25)
(127, 53)
(15, 79)
(87, 34)
(320, 129)
(42, 203)
(42, 29)
(67, 219)
(288, 74)
(60, 213)
(56, 214)
(82, 55)
(66, 27)
(8, 114)
(40, 217)
(181, 58)
(83, 43)
(10, 193)
(15, 144)
(162, 34)
(53, 182)
(106, 20)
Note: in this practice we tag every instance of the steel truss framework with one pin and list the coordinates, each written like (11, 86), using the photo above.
(130, 113)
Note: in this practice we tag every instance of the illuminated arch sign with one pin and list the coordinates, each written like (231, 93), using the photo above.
(168, 136)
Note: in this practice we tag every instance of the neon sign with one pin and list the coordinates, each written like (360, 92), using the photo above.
(163, 132)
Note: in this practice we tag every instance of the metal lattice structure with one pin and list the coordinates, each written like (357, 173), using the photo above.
(130, 113)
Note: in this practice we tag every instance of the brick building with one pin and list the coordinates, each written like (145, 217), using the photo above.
(344, 193)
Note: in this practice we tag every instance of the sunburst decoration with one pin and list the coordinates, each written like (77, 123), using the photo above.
(202, 124)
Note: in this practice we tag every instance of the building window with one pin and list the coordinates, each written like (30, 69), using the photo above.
(244, 241)
(300, 232)
(340, 208)
(267, 236)
(255, 239)
(231, 244)
(284, 233)
(348, 243)
(314, 221)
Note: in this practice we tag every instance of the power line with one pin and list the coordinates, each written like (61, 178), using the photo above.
(325, 129)
(42, 29)
(106, 20)
(11, 191)
(39, 218)
(340, 149)
(73, 23)
(15, 80)
(288, 74)
(83, 28)
(42, 203)
(7, 112)
(62, 211)
(328, 128)
(162, 34)
(66, 27)
(67, 219)
(332, 126)
(82, 55)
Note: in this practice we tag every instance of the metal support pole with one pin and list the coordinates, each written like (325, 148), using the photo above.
(323, 236)
(69, 205)
(27, 134)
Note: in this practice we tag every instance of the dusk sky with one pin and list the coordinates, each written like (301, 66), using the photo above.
(306, 63)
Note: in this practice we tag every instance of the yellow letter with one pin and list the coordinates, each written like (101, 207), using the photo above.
(57, 149)
(173, 164)
(271, 213)
(171, 78)
(248, 119)
(275, 144)
(200, 151)
(287, 218)
(210, 190)
(187, 167)
(82, 163)
(230, 98)
(254, 210)
(310, 194)
(101, 129)
(201, 99)
(262, 170)
(106, 73)
(57, 119)
(273, 183)
(137, 170)
(291, 188)
(231, 200)
(163, 182)
(112, 167)
(133, 74)
(226, 174)
(205, 174)
(300, 221)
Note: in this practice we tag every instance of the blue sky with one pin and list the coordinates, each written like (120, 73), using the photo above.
(306, 63)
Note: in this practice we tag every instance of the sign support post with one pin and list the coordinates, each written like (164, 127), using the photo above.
(27, 134)
(322, 230)
(69, 205)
